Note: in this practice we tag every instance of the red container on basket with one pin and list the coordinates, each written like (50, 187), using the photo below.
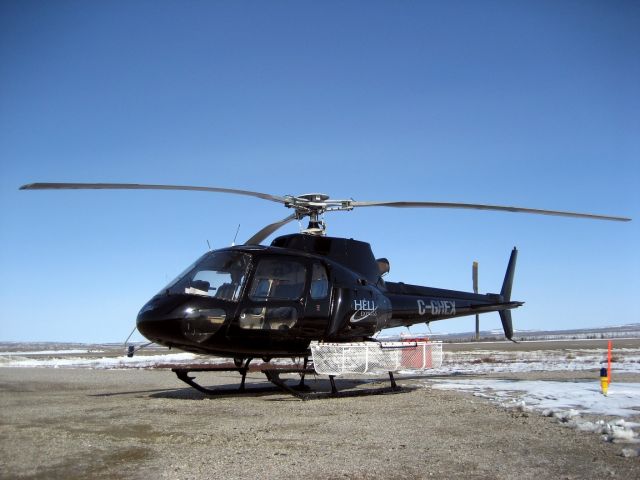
(417, 355)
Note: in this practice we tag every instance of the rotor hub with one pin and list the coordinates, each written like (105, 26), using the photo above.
(314, 197)
(317, 203)
(313, 205)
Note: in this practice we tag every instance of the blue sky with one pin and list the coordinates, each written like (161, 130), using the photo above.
(532, 104)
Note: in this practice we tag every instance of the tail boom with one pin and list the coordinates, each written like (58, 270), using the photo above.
(414, 304)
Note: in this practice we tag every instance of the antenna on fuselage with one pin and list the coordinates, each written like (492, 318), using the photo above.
(236, 236)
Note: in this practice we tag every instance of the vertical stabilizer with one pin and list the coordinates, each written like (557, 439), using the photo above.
(507, 325)
(508, 276)
(505, 315)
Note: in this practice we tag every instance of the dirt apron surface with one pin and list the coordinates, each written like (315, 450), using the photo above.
(81, 423)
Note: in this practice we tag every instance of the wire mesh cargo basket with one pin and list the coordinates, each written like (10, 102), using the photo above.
(374, 357)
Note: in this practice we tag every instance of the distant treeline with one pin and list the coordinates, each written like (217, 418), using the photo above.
(539, 336)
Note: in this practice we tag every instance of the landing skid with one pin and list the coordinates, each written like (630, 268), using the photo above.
(274, 377)
(242, 369)
(300, 391)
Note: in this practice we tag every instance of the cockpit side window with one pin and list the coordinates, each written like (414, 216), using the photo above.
(277, 279)
(319, 282)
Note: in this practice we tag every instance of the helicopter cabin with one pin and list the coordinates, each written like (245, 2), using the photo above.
(353, 254)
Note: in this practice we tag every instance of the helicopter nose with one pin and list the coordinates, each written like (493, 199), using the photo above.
(156, 325)
(174, 320)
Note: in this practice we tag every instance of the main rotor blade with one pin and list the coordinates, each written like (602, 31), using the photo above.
(140, 186)
(268, 230)
(475, 206)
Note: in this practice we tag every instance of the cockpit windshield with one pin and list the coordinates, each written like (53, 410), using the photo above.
(217, 274)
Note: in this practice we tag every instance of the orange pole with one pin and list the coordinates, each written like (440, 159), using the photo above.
(609, 362)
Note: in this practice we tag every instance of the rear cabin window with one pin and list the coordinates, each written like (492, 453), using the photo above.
(277, 279)
(319, 282)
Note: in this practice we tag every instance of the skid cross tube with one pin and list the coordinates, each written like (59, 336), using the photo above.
(301, 385)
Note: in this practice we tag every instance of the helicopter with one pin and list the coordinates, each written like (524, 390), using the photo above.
(257, 301)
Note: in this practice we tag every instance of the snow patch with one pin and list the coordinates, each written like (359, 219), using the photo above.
(495, 361)
(49, 352)
(140, 361)
(565, 401)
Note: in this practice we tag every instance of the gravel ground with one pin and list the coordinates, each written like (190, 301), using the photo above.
(78, 423)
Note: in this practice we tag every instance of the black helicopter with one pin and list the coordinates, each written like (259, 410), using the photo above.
(254, 301)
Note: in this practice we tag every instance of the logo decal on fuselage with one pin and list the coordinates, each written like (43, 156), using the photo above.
(363, 309)
(437, 307)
